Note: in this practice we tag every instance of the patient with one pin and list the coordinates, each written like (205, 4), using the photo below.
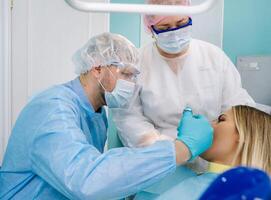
(242, 136)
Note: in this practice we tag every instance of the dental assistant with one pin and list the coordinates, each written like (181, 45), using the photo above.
(56, 149)
(177, 71)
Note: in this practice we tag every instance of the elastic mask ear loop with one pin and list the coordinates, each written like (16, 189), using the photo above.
(111, 75)
(102, 85)
(154, 35)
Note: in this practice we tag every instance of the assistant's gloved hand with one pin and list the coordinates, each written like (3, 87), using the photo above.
(196, 132)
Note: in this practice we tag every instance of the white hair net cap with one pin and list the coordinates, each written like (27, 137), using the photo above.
(104, 50)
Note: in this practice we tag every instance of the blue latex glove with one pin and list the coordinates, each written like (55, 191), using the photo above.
(196, 132)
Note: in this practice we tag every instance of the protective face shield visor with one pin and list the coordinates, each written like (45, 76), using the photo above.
(125, 71)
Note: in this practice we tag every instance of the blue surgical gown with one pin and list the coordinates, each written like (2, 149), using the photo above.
(56, 148)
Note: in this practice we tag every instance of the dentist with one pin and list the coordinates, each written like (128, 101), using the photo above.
(56, 149)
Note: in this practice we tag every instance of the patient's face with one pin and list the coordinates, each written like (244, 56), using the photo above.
(225, 139)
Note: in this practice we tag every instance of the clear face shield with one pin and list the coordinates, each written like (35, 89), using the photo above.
(126, 72)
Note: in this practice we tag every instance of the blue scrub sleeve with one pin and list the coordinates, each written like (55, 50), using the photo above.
(61, 155)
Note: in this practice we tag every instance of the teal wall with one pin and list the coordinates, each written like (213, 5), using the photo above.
(247, 28)
(126, 24)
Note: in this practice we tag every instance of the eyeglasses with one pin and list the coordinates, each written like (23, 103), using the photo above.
(157, 31)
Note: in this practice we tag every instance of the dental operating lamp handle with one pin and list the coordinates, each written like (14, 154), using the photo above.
(141, 8)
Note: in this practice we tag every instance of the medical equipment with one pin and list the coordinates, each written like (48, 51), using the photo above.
(140, 8)
(188, 109)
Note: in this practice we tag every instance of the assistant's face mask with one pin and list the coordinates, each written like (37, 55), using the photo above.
(175, 40)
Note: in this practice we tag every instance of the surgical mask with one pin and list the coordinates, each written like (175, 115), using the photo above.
(121, 95)
(175, 40)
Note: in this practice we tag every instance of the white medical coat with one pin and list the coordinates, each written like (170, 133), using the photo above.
(206, 80)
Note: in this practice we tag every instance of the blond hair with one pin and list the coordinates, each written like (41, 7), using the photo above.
(254, 148)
